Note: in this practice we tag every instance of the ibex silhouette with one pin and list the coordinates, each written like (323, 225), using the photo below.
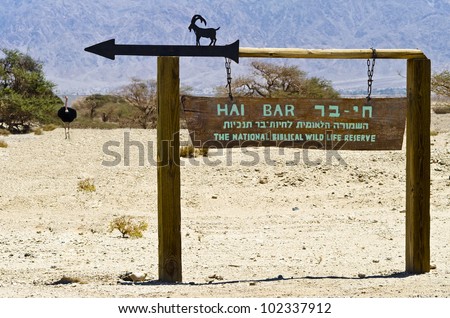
(202, 33)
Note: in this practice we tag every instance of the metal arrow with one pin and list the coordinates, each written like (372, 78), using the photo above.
(110, 49)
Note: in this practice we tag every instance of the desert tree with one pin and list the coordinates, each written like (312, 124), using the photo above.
(440, 83)
(271, 81)
(99, 106)
(26, 96)
(142, 96)
(93, 102)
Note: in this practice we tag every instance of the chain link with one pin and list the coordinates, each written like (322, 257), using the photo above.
(370, 68)
(228, 68)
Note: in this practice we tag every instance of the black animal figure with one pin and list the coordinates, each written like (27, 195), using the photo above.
(67, 115)
(202, 33)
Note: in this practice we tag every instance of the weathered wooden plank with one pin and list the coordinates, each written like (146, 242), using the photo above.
(330, 53)
(168, 144)
(418, 167)
(333, 124)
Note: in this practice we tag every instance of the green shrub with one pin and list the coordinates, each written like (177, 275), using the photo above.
(86, 185)
(128, 226)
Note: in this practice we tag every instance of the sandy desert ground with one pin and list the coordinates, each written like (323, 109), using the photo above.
(255, 223)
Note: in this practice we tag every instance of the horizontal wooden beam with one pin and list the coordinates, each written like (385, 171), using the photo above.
(331, 53)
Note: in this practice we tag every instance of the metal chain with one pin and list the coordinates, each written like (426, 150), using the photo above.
(370, 68)
(228, 68)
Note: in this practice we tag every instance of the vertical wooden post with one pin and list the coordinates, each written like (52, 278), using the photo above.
(168, 144)
(418, 166)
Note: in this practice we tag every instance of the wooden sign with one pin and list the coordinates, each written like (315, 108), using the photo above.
(333, 124)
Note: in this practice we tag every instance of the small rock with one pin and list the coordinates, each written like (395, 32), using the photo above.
(138, 276)
(214, 196)
(295, 209)
(133, 276)
(433, 266)
(360, 275)
(280, 277)
(252, 283)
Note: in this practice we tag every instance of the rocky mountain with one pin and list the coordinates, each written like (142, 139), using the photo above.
(57, 31)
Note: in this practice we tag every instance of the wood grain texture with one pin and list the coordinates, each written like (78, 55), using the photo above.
(168, 144)
(418, 167)
(330, 53)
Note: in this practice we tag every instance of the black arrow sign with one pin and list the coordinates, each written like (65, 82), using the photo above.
(110, 49)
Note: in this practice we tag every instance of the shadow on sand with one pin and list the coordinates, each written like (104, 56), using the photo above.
(264, 280)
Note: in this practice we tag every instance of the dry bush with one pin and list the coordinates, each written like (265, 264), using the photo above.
(128, 226)
(4, 132)
(49, 127)
(38, 131)
(3, 144)
(191, 152)
(202, 151)
(187, 151)
(86, 123)
(86, 185)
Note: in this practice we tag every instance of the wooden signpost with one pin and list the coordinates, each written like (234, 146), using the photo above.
(331, 124)
(351, 125)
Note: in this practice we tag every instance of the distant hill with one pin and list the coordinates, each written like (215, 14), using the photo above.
(57, 31)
